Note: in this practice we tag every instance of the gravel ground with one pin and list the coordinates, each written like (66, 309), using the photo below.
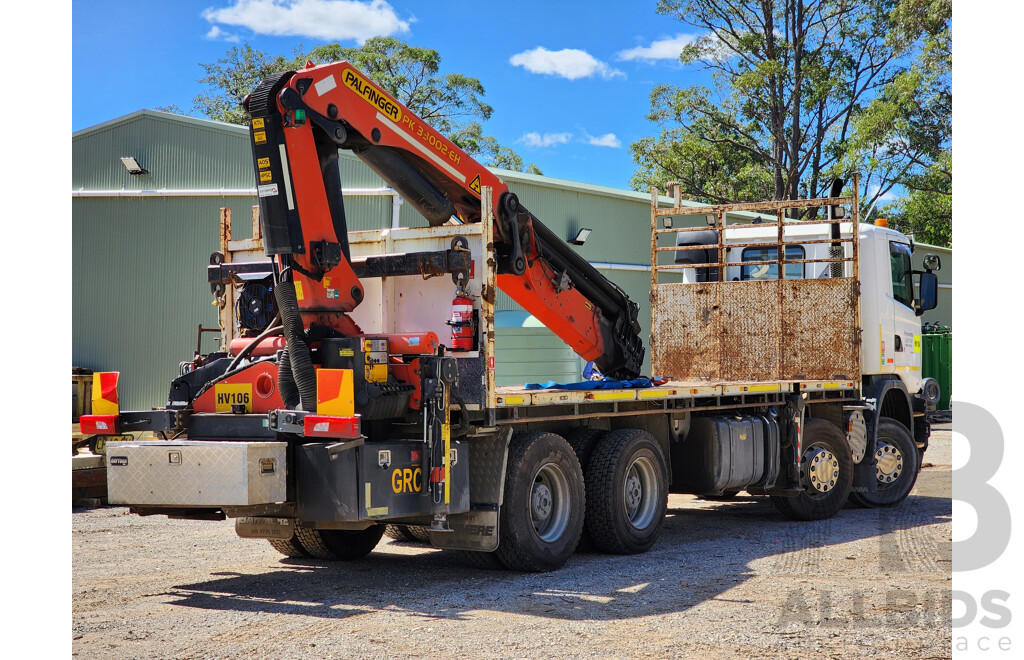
(725, 580)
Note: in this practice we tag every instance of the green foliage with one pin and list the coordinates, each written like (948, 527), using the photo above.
(926, 210)
(452, 103)
(804, 91)
(908, 127)
(232, 78)
(707, 151)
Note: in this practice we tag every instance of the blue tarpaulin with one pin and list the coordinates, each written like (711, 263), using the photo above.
(603, 384)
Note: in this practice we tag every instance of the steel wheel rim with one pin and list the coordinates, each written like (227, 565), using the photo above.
(549, 502)
(639, 492)
(819, 470)
(888, 463)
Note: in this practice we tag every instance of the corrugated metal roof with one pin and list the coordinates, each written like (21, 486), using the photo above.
(208, 124)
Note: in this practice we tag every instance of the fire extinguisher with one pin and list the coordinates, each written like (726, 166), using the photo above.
(463, 325)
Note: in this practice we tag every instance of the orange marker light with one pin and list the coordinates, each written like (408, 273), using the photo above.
(334, 392)
(104, 393)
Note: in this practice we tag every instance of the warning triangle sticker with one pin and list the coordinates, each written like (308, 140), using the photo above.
(474, 185)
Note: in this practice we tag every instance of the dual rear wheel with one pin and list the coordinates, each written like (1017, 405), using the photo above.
(608, 488)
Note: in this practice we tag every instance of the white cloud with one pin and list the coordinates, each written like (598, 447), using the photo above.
(668, 48)
(606, 140)
(535, 139)
(884, 198)
(567, 63)
(335, 20)
(217, 33)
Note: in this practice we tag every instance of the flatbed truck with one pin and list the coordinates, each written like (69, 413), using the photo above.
(786, 354)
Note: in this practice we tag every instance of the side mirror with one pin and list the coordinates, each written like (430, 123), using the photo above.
(929, 283)
(932, 262)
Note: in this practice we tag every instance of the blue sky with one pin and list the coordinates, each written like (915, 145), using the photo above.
(569, 81)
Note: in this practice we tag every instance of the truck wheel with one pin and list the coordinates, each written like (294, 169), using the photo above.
(542, 514)
(626, 492)
(289, 548)
(583, 440)
(897, 466)
(335, 544)
(826, 473)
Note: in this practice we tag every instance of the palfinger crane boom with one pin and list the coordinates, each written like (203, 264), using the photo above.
(299, 121)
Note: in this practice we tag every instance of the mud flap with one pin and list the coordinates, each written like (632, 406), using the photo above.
(473, 530)
(477, 529)
(249, 527)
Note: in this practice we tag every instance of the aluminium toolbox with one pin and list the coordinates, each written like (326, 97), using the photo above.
(196, 473)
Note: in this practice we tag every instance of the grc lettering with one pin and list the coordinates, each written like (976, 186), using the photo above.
(407, 480)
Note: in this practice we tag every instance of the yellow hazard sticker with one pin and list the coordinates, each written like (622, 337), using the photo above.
(373, 96)
(917, 343)
(298, 291)
(229, 396)
(376, 373)
(259, 137)
(474, 185)
(265, 177)
(257, 122)
(264, 163)
(346, 352)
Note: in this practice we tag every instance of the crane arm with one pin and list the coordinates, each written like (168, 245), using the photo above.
(300, 119)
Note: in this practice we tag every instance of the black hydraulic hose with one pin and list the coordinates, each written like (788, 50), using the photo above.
(285, 382)
(298, 351)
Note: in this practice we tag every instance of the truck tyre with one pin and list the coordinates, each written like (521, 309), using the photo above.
(627, 492)
(897, 466)
(407, 533)
(289, 548)
(399, 533)
(826, 473)
(419, 533)
(542, 515)
(339, 544)
(583, 440)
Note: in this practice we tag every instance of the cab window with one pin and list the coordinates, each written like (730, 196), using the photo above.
(771, 271)
(900, 266)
